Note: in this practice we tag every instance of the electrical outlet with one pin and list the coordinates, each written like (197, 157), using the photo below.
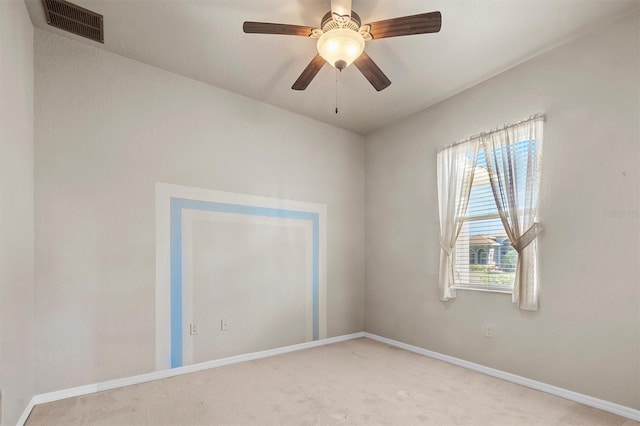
(224, 325)
(488, 331)
(194, 329)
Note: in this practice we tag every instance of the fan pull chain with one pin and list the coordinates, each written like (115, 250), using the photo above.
(337, 89)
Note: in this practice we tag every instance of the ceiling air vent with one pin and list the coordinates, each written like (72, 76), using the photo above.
(75, 19)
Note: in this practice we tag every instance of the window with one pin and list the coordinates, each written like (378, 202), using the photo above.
(487, 203)
(483, 257)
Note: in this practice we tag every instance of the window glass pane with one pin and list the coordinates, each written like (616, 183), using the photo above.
(483, 254)
(481, 201)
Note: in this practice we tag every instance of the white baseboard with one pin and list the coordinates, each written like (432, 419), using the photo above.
(26, 412)
(600, 404)
(163, 374)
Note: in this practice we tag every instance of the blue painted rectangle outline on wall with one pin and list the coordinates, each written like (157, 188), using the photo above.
(180, 204)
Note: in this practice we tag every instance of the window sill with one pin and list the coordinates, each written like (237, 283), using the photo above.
(485, 288)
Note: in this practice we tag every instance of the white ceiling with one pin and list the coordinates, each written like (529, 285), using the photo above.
(203, 39)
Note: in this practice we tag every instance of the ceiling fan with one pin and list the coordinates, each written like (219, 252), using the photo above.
(341, 39)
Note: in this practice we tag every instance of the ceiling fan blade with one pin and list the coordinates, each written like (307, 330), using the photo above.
(341, 7)
(270, 28)
(372, 72)
(309, 73)
(407, 25)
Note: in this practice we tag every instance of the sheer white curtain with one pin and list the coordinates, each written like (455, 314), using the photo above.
(513, 161)
(455, 168)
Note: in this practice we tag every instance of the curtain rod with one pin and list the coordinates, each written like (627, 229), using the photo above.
(534, 117)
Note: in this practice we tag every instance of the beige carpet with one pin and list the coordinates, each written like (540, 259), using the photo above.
(355, 382)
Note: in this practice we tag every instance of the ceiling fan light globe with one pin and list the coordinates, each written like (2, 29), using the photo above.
(341, 46)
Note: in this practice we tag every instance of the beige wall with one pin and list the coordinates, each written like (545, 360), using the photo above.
(585, 336)
(16, 209)
(108, 128)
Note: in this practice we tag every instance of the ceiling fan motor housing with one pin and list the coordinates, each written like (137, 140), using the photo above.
(328, 23)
